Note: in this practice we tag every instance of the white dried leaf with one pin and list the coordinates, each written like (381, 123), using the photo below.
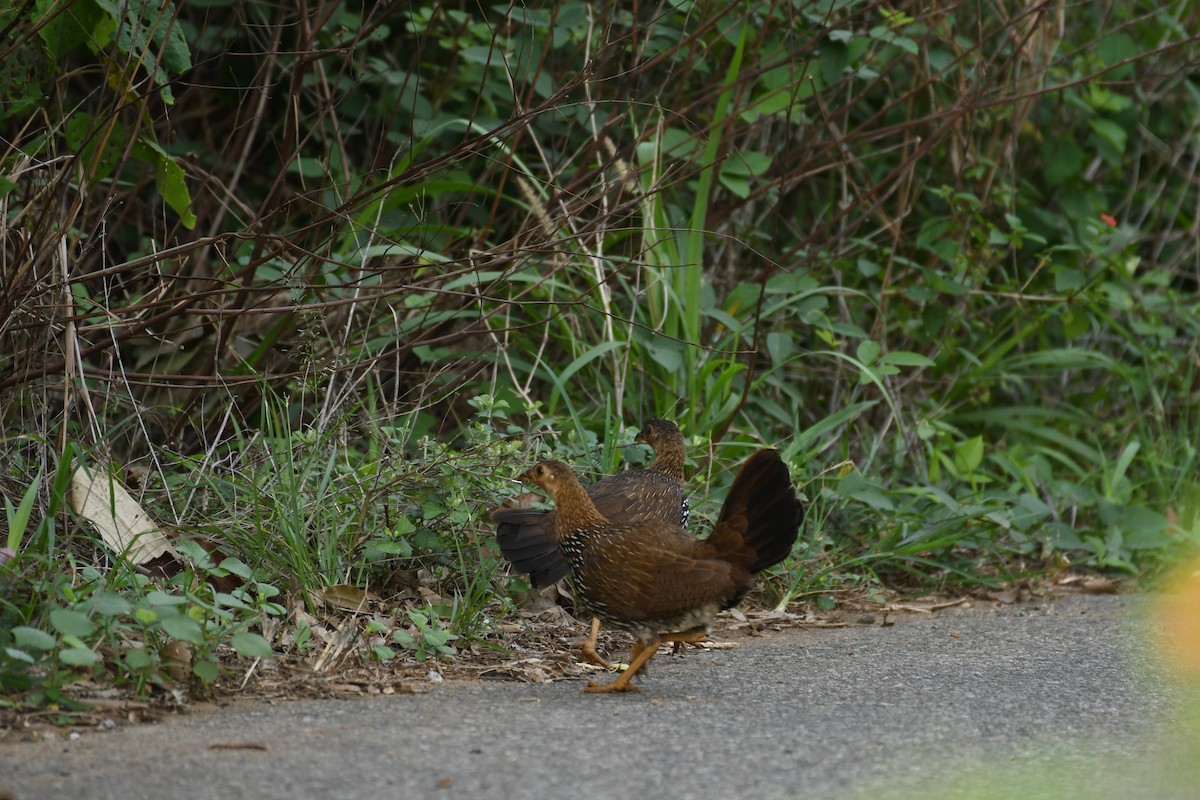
(123, 524)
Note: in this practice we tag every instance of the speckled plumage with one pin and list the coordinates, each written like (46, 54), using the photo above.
(653, 579)
(527, 536)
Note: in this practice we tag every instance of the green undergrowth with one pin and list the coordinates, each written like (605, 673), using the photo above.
(382, 534)
(314, 295)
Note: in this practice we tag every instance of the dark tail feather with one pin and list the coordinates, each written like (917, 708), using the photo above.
(761, 516)
(527, 541)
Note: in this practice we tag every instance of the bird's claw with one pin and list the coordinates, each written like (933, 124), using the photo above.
(588, 653)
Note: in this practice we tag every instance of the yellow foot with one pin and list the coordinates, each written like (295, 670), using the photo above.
(588, 653)
(642, 653)
(615, 686)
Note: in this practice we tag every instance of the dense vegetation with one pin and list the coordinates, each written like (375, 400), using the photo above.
(313, 285)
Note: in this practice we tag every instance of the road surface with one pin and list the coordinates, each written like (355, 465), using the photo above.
(1055, 699)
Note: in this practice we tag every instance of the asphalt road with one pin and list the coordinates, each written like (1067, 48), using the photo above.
(1053, 699)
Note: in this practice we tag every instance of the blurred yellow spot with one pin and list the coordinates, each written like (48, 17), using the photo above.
(1179, 612)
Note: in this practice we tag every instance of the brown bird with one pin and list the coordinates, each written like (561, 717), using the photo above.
(653, 579)
(527, 536)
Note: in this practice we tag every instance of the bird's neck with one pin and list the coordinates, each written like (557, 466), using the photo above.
(668, 460)
(574, 509)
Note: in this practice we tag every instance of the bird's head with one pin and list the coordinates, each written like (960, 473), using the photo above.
(548, 475)
(658, 430)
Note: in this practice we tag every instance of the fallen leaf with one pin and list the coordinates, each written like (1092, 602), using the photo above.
(1099, 585)
(123, 525)
(347, 597)
(924, 609)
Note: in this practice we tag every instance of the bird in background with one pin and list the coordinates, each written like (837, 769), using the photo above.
(653, 579)
(528, 539)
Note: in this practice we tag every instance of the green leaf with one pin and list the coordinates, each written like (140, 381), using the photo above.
(1112, 481)
(148, 28)
(1067, 279)
(160, 598)
(232, 601)
(669, 355)
(747, 162)
(673, 143)
(779, 346)
(435, 636)
(71, 623)
(206, 670)
(1075, 322)
(251, 645)
(237, 567)
(32, 638)
(383, 652)
(1110, 132)
(171, 185)
(932, 231)
(77, 656)
(84, 135)
(856, 487)
(19, 655)
(1114, 48)
(388, 547)
(738, 186)
(905, 358)
(138, 658)
(482, 54)
(183, 628)
(1144, 529)
(868, 352)
(18, 518)
(1064, 159)
(308, 167)
(969, 455)
(108, 604)
(63, 32)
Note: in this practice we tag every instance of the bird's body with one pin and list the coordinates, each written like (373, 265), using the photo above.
(528, 537)
(653, 579)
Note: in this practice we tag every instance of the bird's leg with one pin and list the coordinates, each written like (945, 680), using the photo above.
(588, 649)
(640, 654)
(690, 637)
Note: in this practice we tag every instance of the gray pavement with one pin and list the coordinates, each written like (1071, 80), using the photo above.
(1051, 699)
